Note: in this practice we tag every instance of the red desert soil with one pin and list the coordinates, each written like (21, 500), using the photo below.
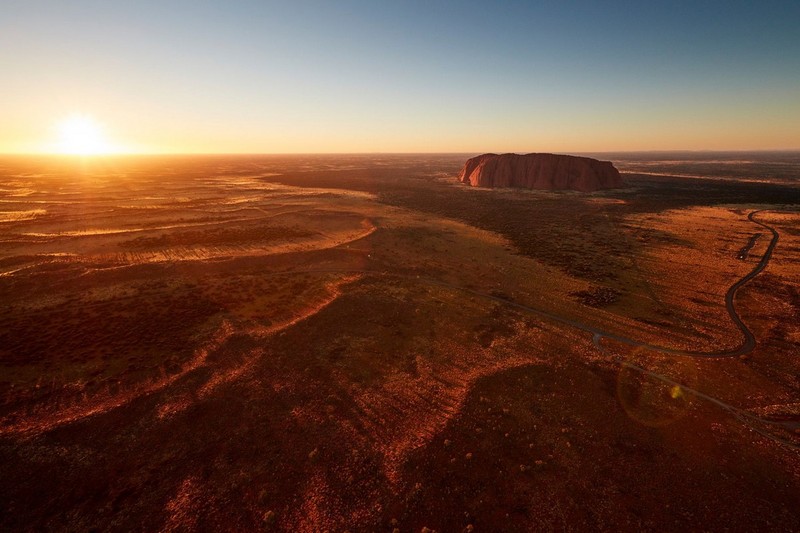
(319, 343)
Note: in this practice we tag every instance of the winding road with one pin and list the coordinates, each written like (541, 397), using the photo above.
(749, 342)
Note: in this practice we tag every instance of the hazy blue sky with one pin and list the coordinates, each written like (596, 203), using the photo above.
(369, 76)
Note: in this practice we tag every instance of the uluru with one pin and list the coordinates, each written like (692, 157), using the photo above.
(540, 171)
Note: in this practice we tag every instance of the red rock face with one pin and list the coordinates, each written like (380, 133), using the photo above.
(540, 171)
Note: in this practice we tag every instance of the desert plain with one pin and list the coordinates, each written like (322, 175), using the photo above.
(361, 343)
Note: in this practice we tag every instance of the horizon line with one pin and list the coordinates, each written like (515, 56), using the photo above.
(184, 154)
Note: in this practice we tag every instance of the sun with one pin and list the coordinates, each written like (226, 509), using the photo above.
(82, 135)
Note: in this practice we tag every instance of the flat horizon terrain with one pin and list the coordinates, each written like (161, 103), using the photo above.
(360, 343)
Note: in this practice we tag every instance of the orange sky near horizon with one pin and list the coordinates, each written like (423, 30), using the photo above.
(123, 136)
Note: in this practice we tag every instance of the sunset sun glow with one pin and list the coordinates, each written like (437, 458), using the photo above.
(82, 135)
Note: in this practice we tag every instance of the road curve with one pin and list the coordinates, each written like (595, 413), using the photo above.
(749, 339)
(749, 342)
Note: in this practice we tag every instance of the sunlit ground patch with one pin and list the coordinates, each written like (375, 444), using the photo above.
(18, 216)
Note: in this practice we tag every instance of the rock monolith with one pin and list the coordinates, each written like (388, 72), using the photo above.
(540, 171)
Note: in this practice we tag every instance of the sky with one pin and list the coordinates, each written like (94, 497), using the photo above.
(174, 76)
